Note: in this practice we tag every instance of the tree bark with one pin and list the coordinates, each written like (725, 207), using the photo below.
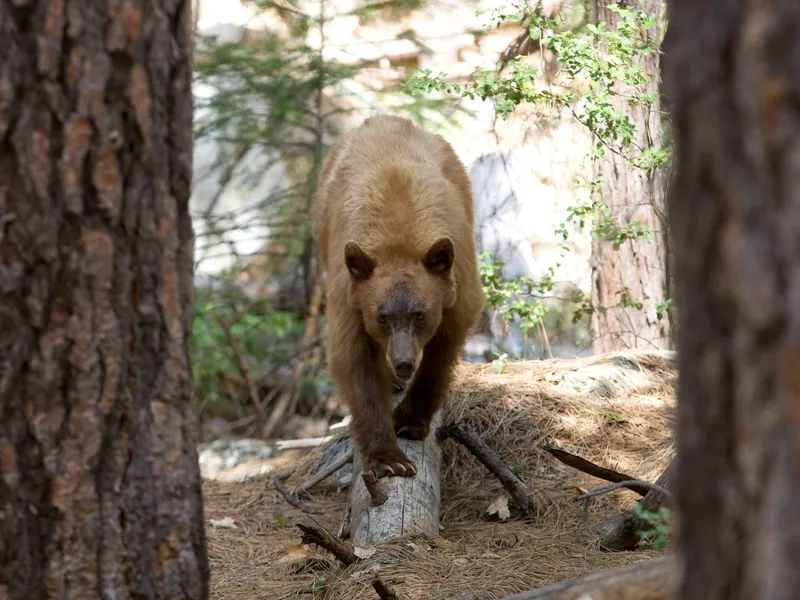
(638, 269)
(732, 76)
(100, 490)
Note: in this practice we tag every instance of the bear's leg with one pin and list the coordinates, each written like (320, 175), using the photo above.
(412, 417)
(367, 388)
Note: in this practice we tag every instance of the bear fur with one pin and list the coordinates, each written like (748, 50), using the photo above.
(393, 222)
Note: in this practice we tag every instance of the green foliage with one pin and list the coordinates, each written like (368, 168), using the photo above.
(594, 59)
(518, 300)
(660, 527)
(267, 338)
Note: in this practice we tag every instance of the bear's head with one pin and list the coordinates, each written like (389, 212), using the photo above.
(401, 301)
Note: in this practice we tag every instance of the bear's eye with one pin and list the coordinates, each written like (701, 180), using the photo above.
(383, 319)
(419, 317)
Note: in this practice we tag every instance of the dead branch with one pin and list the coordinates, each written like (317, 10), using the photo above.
(241, 362)
(288, 496)
(377, 494)
(314, 533)
(305, 347)
(654, 579)
(590, 468)
(329, 470)
(470, 440)
(633, 483)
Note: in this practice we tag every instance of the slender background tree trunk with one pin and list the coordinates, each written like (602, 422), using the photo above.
(100, 491)
(732, 77)
(638, 269)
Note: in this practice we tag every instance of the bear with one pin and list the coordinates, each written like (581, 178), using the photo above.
(393, 224)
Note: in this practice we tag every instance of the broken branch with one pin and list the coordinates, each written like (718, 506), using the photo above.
(314, 533)
(470, 440)
(288, 496)
(590, 468)
(377, 494)
(327, 471)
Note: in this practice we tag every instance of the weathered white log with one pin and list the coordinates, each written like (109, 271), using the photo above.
(413, 504)
(654, 579)
(303, 443)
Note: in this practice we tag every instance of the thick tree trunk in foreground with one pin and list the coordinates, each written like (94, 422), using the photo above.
(100, 492)
(732, 75)
(638, 270)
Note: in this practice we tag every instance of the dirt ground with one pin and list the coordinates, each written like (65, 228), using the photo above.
(614, 410)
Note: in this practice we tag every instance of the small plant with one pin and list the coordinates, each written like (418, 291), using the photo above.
(660, 528)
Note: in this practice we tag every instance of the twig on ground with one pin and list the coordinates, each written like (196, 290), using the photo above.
(630, 484)
(327, 471)
(470, 440)
(314, 533)
(305, 347)
(288, 496)
(377, 494)
(241, 362)
(590, 468)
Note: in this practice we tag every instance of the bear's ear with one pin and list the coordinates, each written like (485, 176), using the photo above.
(439, 258)
(358, 262)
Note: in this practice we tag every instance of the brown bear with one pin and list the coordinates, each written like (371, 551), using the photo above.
(393, 224)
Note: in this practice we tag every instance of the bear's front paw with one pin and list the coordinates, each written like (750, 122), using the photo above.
(382, 463)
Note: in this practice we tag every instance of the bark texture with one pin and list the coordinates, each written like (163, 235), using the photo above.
(732, 77)
(413, 503)
(638, 268)
(100, 491)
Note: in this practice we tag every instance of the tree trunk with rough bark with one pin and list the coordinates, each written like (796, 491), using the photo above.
(732, 77)
(638, 270)
(100, 490)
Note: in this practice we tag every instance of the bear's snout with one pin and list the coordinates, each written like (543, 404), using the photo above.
(404, 368)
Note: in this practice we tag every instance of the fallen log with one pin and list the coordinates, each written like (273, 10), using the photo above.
(654, 579)
(412, 503)
(619, 533)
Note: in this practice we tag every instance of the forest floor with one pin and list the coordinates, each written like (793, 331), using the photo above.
(614, 410)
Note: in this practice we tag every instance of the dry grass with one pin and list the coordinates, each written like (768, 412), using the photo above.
(614, 410)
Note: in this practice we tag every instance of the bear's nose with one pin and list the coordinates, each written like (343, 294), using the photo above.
(404, 368)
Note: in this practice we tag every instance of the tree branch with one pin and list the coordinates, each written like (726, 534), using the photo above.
(314, 533)
(590, 468)
(470, 440)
